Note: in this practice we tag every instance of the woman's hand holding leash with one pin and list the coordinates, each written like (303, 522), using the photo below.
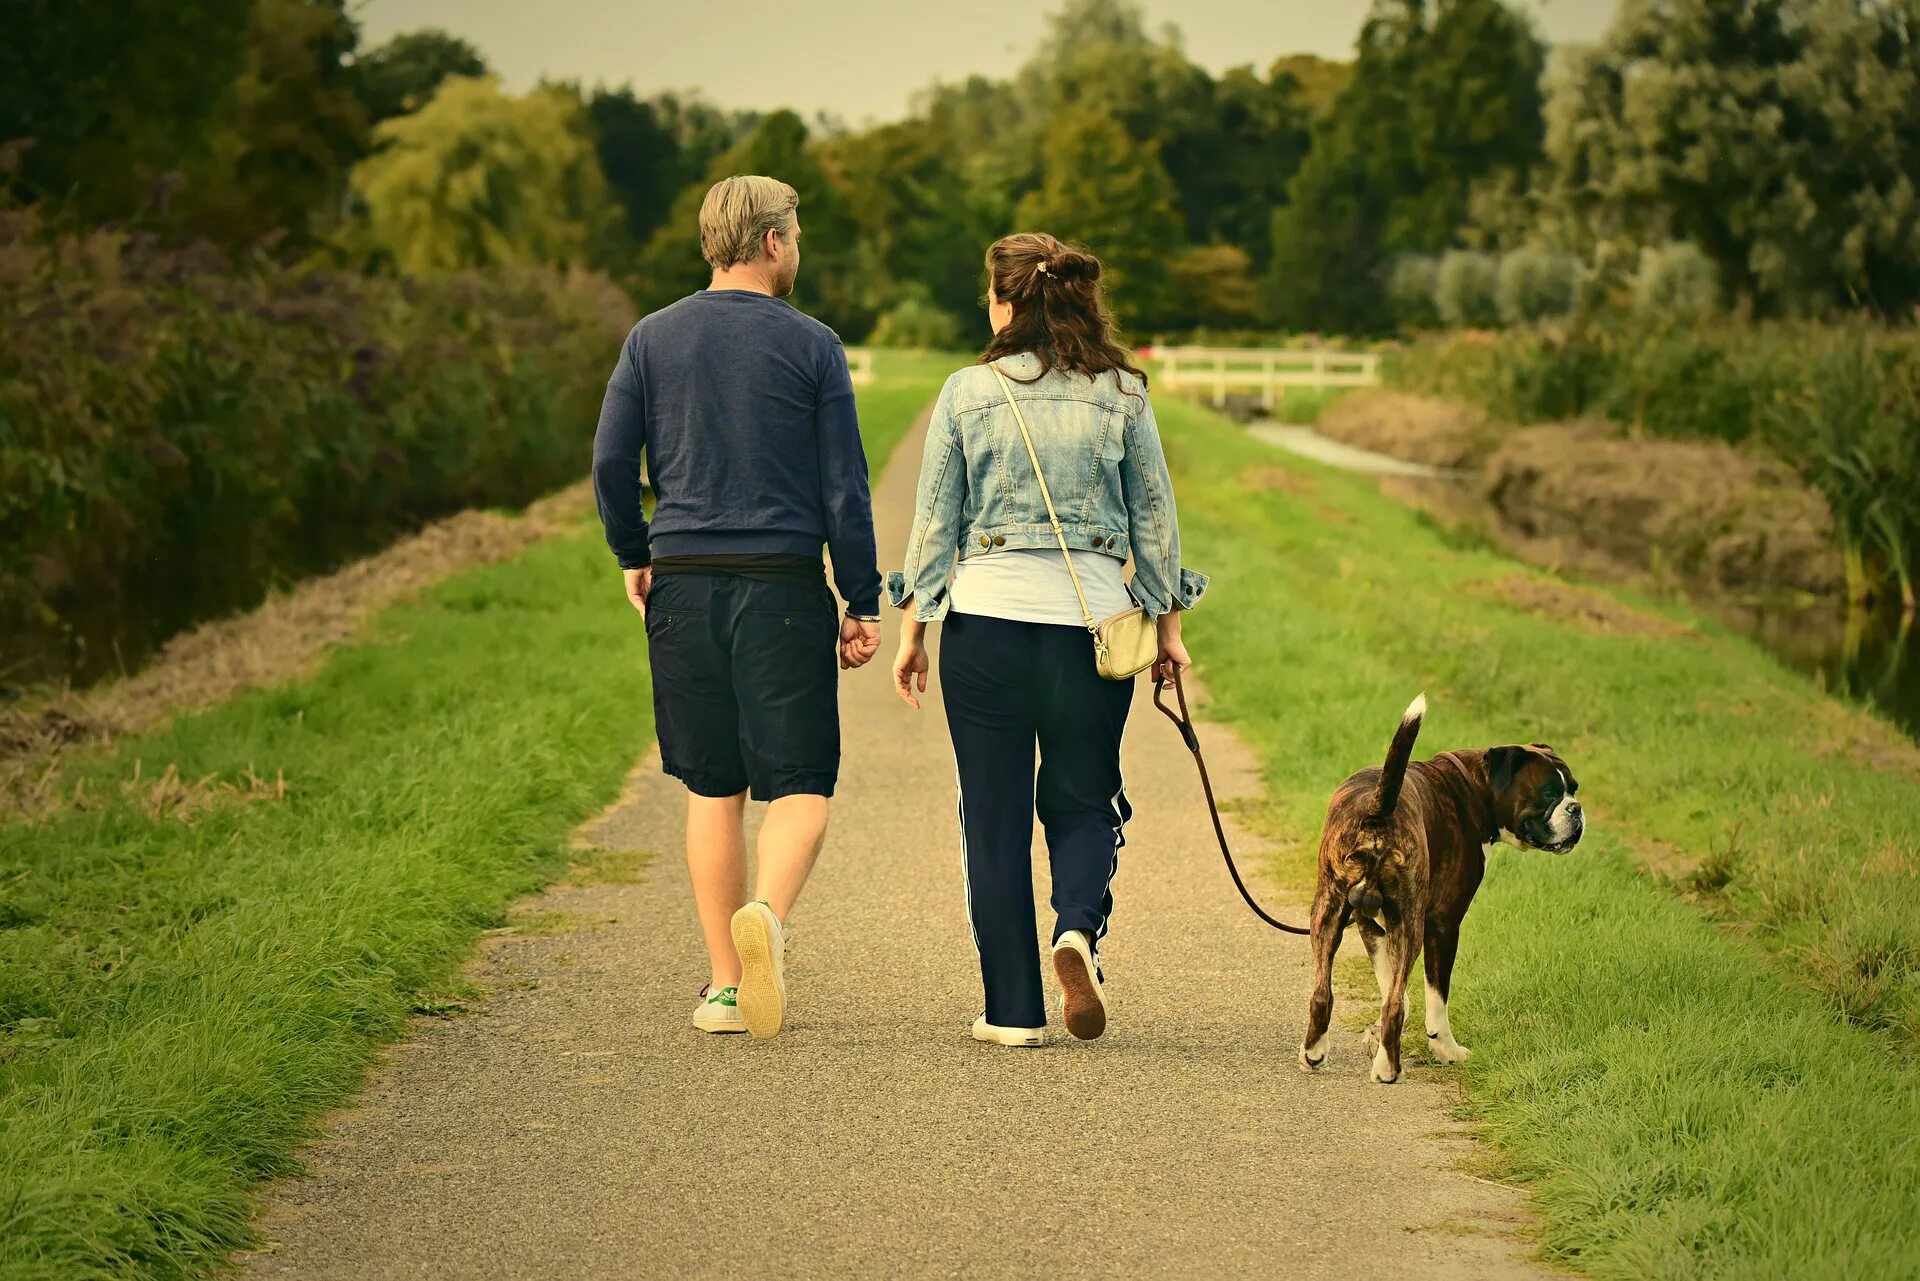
(1174, 658)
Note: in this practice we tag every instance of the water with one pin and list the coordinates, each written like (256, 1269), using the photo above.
(1872, 657)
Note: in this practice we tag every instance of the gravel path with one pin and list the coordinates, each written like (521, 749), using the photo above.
(579, 1127)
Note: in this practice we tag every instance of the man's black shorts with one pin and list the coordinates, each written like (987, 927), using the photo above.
(745, 684)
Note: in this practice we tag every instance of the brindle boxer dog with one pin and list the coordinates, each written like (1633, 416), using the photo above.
(1402, 853)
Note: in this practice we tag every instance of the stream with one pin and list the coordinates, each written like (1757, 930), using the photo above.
(1870, 656)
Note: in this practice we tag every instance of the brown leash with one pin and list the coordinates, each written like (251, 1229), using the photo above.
(1183, 721)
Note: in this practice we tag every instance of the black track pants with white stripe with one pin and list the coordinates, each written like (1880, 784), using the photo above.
(1008, 688)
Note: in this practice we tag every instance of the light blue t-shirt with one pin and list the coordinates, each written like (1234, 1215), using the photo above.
(1033, 586)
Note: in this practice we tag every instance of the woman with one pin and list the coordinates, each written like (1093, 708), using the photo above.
(1016, 659)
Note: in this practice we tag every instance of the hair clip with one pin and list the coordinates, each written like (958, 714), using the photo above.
(1042, 268)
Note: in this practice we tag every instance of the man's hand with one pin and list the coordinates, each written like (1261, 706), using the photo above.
(859, 642)
(639, 583)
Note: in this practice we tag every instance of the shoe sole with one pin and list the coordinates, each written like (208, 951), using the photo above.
(762, 1003)
(1085, 1014)
(720, 1029)
(1013, 1043)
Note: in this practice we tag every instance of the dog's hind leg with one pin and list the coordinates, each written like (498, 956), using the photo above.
(1400, 946)
(1328, 923)
(1442, 940)
(1370, 935)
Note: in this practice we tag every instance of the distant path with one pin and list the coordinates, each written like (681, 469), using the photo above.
(580, 1127)
(1309, 443)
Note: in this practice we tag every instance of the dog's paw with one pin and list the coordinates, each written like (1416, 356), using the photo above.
(1313, 1057)
(1382, 1070)
(1446, 1050)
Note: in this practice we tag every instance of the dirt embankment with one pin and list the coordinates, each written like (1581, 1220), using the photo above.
(1699, 514)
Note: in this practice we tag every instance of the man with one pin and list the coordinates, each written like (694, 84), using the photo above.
(744, 409)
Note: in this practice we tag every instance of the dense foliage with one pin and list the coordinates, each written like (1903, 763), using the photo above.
(1620, 213)
(180, 429)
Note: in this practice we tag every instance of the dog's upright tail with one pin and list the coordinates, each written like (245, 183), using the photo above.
(1399, 752)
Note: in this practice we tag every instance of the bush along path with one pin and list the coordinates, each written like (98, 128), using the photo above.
(579, 1126)
(203, 941)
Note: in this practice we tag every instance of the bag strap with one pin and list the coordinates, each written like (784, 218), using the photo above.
(1183, 721)
(1086, 612)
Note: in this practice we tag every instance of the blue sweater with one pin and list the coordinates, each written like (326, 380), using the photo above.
(744, 410)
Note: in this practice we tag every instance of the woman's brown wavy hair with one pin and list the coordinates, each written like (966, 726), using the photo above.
(1059, 309)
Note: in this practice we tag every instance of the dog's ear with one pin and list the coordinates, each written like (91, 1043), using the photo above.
(1502, 763)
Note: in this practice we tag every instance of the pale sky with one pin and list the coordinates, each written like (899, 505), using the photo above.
(859, 59)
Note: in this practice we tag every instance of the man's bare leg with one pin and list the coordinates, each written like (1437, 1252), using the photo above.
(717, 861)
(790, 840)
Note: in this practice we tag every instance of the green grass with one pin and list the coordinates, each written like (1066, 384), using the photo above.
(179, 1000)
(1686, 1098)
(903, 387)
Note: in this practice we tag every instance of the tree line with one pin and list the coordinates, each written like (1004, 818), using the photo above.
(1759, 155)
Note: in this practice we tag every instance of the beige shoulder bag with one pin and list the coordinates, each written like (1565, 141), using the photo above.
(1124, 645)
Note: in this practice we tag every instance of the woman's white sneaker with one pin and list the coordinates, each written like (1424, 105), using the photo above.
(1085, 1012)
(1016, 1036)
(762, 946)
(719, 1011)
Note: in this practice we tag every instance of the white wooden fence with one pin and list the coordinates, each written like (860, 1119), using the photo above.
(860, 365)
(1266, 370)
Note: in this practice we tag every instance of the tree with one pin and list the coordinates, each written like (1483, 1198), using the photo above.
(1213, 286)
(905, 188)
(1782, 137)
(1436, 104)
(403, 74)
(114, 95)
(280, 148)
(479, 179)
(1314, 81)
(1106, 191)
(1259, 139)
(640, 157)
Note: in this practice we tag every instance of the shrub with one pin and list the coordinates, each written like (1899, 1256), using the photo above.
(180, 431)
(1534, 283)
(1465, 289)
(1676, 281)
(915, 321)
(1410, 291)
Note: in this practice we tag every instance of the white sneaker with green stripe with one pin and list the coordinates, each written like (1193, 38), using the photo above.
(719, 1010)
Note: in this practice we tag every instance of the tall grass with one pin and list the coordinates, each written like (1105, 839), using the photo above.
(1840, 402)
(180, 430)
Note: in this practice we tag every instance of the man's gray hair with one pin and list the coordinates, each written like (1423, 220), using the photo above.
(737, 215)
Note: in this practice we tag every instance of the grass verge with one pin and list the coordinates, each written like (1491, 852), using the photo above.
(1686, 1099)
(198, 961)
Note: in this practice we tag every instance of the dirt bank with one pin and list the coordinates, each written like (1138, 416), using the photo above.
(1700, 512)
(1696, 514)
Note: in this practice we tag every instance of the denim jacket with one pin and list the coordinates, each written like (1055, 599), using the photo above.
(1098, 443)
